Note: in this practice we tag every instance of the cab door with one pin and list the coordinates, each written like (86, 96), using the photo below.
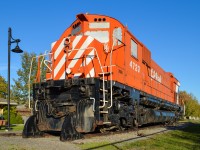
(133, 61)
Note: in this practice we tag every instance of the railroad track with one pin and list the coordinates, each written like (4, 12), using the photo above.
(135, 130)
(108, 133)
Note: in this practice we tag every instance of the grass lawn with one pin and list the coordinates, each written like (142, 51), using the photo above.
(184, 139)
(17, 127)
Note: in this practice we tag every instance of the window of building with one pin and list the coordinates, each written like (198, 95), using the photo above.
(134, 51)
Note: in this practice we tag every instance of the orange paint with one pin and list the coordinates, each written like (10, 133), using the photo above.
(91, 43)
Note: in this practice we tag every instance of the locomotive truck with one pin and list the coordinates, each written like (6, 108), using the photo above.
(100, 77)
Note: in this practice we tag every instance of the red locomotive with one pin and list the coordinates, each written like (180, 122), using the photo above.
(100, 76)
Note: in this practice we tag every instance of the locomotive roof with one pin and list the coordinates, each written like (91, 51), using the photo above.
(92, 16)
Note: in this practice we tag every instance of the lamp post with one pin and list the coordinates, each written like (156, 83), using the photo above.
(15, 50)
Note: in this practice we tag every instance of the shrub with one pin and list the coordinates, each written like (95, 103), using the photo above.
(15, 118)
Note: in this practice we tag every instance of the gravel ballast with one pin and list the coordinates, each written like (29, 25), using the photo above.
(16, 142)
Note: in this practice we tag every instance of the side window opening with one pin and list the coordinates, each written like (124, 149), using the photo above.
(117, 36)
(134, 51)
(76, 28)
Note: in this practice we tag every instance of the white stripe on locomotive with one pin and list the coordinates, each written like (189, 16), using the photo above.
(91, 73)
(79, 53)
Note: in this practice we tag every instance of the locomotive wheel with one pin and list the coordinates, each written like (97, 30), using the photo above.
(68, 131)
(31, 129)
(135, 124)
(102, 130)
(122, 124)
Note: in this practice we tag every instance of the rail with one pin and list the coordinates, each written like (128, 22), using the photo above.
(47, 65)
(92, 98)
(111, 84)
(29, 77)
(36, 103)
(103, 73)
(44, 61)
(104, 101)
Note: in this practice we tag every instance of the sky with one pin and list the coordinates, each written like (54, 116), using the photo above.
(169, 28)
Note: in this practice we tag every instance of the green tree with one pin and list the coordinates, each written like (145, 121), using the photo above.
(192, 107)
(21, 85)
(20, 90)
(3, 87)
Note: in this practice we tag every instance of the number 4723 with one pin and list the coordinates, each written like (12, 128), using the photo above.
(135, 66)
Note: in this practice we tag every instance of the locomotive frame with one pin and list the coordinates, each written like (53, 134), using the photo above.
(100, 77)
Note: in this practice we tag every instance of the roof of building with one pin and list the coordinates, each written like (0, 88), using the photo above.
(4, 102)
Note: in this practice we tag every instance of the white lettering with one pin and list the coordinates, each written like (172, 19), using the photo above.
(134, 66)
(155, 75)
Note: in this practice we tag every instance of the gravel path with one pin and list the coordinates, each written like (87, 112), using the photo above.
(47, 143)
(124, 137)
(53, 142)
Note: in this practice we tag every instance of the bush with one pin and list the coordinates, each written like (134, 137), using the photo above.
(15, 118)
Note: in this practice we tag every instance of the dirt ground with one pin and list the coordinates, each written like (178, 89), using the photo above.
(53, 142)
(47, 143)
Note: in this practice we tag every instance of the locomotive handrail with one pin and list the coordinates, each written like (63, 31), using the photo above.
(36, 105)
(29, 77)
(104, 101)
(111, 85)
(47, 65)
(92, 98)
